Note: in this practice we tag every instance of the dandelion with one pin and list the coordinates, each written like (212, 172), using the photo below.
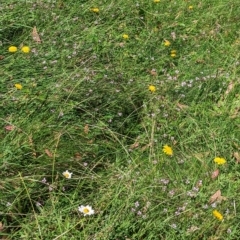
(25, 49)
(218, 215)
(18, 86)
(152, 88)
(219, 161)
(167, 43)
(95, 10)
(167, 150)
(12, 49)
(173, 53)
(190, 7)
(156, 1)
(125, 36)
(86, 210)
(67, 174)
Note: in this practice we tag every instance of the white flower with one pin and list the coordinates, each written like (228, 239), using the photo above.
(67, 174)
(86, 210)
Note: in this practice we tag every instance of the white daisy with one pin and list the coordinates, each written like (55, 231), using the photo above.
(67, 174)
(86, 210)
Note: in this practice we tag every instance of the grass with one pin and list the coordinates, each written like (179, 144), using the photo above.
(85, 107)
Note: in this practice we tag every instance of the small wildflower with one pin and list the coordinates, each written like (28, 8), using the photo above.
(152, 88)
(190, 7)
(218, 215)
(67, 174)
(214, 205)
(139, 213)
(25, 49)
(219, 161)
(86, 210)
(12, 49)
(174, 225)
(125, 36)
(137, 204)
(38, 204)
(156, 1)
(173, 53)
(95, 10)
(18, 86)
(44, 180)
(167, 150)
(171, 193)
(167, 43)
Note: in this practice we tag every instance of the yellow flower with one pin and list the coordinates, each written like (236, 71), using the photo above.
(125, 36)
(167, 150)
(190, 7)
(167, 43)
(218, 215)
(219, 161)
(152, 88)
(18, 86)
(156, 1)
(173, 53)
(95, 10)
(12, 49)
(25, 49)
(67, 174)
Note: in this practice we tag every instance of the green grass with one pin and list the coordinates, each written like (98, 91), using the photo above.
(85, 107)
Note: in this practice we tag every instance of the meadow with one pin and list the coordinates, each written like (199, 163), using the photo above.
(119, 120)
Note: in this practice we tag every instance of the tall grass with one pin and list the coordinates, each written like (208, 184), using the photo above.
(85, 107)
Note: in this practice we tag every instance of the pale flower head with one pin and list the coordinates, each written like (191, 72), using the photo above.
(125, 36)
(86, 210)
(67, 174)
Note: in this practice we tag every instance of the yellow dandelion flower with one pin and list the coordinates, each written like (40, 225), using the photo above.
(167, 43)
(219, 161)
(95, 10)
(190, 7)
(152, 88)
(67, 174)
(173, 53)
(167, 150)
(125, 36)
(18, 86)
(156, 1)
(12, 49)
(25, 49)
(218, 215)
